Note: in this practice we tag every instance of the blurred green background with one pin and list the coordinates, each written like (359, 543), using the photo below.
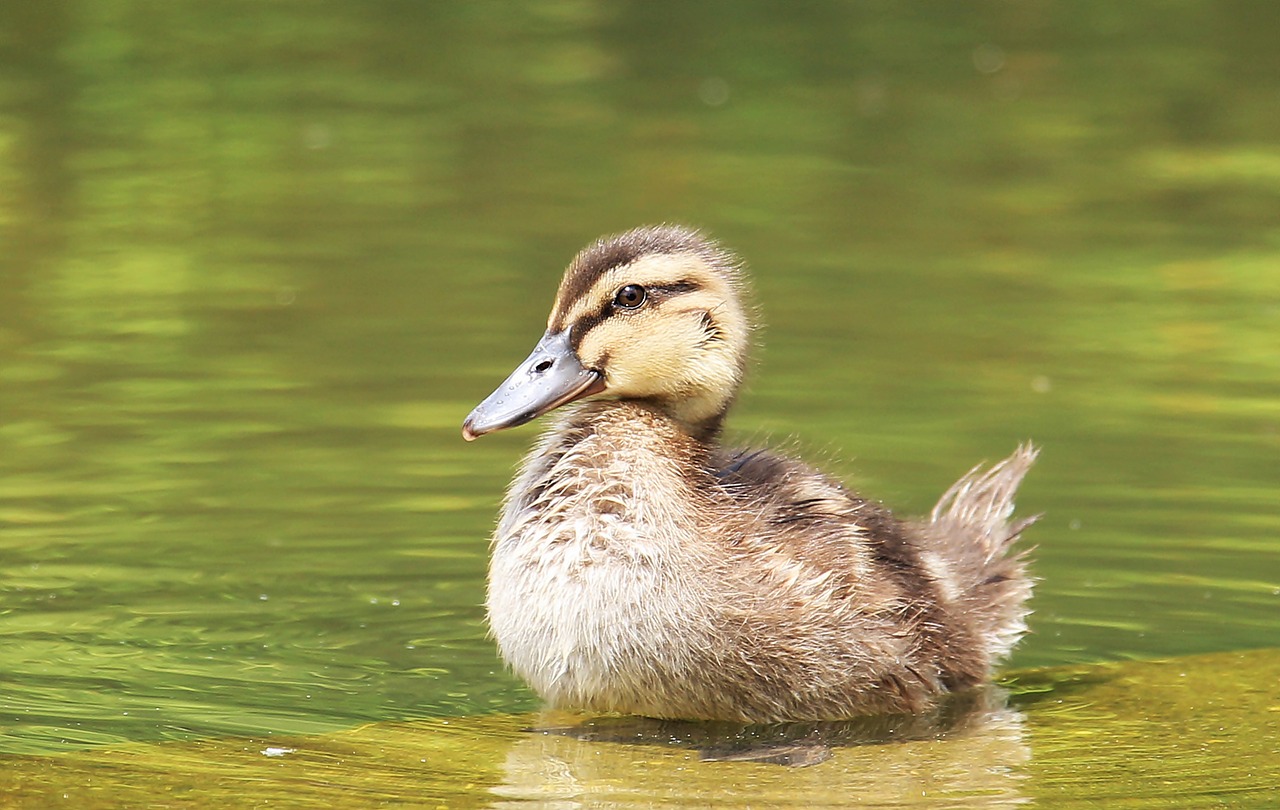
(259, 259)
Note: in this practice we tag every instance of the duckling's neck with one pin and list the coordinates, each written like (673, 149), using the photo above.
(627, 457)
(700, 418)
(647, 426)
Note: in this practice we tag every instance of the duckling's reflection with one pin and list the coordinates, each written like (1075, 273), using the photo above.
(968, 748)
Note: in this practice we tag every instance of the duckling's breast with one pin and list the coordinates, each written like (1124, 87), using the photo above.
(591, 597)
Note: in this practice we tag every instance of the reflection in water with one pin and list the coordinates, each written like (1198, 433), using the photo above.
(956, 714)
(971, 747)
(1181, 733)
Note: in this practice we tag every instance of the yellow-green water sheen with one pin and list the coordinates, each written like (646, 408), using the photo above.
(1201, 731)
(258, 260)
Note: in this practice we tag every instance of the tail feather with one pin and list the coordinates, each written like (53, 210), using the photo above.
(981, 503)
(971, 529)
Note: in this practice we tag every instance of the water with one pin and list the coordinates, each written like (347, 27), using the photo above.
(259, 262)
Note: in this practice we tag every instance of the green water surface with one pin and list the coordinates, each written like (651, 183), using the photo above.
(258, 260)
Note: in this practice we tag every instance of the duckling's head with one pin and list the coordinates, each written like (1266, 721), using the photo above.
(653, 314)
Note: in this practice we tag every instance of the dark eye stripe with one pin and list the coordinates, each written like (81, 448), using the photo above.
(657, 293)
(668, 290)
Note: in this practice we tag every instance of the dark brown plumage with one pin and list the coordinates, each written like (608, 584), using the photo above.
(641, 568)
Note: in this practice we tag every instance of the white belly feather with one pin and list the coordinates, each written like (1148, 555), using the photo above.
(582, 584)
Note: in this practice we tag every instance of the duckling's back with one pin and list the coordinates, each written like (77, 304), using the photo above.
(947, 593)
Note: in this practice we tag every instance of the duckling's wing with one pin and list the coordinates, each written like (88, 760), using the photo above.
(794, 511)
(954, 572)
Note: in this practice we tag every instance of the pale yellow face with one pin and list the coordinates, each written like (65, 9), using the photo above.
(667, 327)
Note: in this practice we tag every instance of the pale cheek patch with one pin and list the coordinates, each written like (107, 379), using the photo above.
(597, 347)
(642, 356)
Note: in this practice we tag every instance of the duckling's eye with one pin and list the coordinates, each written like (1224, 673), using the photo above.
(630, 297)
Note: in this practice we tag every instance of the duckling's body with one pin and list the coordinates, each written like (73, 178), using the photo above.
(640, 568)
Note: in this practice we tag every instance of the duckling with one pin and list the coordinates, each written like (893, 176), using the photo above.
(639, 567)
